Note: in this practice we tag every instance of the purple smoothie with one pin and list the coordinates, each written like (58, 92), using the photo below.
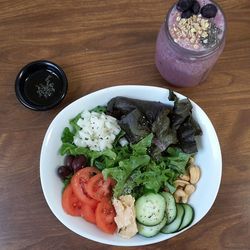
(188, 48)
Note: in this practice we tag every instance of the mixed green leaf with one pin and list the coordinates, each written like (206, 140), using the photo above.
(171, 126)
(161, 141)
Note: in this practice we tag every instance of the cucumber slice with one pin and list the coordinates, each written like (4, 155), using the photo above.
(171, 210)
(150, 209)
(188, 216)
(150, 231)
(174, 226)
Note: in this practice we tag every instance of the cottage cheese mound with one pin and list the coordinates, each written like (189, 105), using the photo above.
(98, 131)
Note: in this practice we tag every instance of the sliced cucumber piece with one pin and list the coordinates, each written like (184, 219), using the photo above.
(150, 209)
(171, 210)
(188, 216)
(174, 226)
(150, 231)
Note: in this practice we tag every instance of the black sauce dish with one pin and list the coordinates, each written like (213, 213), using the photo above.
(41, 85)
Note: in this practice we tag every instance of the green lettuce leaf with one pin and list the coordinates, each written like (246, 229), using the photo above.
(171, 187)
(118, 137)
(177, 160)
(125, 169)
(142, 146)
(70, 149)
(73, 123)
(66, 148)
(131, 166)
(67, 136)
(99, 109)
(67, 181)
(155, 176)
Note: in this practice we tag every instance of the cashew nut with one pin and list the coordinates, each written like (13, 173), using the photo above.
(177, 198)
(180, 195)
(189, 189)
(185, 199)
(181, 183)
(191, 161)
(194, 172)
(184, 177)
(186, 182)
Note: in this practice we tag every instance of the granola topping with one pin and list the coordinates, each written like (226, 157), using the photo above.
(195, 32)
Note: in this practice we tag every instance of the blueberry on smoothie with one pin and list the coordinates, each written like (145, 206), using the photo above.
(186, 14)
(184, 5)
(196, 7)
(209, 11)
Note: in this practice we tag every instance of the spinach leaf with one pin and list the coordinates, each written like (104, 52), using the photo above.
(135, 125)
(184, 124)
(164, 134)
(182, 109)
(186, 135)
(172, 96)
(119, 106)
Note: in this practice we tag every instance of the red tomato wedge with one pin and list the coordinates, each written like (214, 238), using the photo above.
(88, 213)
(70, 202)
(97, 188)
(79, 182)
(104, 215)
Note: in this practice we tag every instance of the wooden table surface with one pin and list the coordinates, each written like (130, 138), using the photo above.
(107, 43)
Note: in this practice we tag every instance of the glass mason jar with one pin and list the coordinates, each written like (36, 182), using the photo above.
(182, 66)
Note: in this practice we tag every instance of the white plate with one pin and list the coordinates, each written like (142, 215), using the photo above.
(208, 158)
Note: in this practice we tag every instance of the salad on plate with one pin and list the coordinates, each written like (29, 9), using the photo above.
(130, 166)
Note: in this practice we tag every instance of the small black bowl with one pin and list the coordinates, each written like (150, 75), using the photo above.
(41, 85)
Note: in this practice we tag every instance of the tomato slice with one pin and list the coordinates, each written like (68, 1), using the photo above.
(97, 188)
(70, 202)
(88, 213)
(104, 215)
(79, 182)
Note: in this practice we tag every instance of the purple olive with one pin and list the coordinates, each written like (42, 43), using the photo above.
(68, 160)
(64, 172)
(78, 163)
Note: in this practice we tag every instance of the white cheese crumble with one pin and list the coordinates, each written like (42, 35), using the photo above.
(98, 131)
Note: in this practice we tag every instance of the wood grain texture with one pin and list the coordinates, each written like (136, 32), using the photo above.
(106, 43)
